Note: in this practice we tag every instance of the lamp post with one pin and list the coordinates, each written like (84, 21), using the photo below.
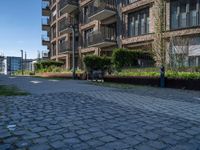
(22, 67)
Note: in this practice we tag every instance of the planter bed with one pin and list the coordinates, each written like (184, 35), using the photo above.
(55, 75)
(192, 84)
(152, 81)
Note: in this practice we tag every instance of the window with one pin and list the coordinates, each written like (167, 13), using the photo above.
(138, 23)
(193, 13)
(184, 13)
(86, 13)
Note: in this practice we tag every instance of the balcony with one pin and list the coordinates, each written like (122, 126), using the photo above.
(102, 38)
(68, 6)
(45, 24)
(64, 47)
(45, 54)
(45, 40)
(45, 8)
(102, 9)
(65, 23)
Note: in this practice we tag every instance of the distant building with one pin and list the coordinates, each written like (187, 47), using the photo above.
(2, 64)
(13, 64)
(29, 64)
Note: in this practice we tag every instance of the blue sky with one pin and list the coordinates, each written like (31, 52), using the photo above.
(20, 27)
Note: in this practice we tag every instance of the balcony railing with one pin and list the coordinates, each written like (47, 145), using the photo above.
(45, 21)
(45, 40)
(102, 9)
(65, 23)
(45, 8)
(68, 5)
(103, 38)
(45, 24)
(65, 47)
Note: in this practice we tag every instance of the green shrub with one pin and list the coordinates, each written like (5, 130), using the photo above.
(93, 62)
(183, 75)
(48, 66)
(154, 72)
(123, 58)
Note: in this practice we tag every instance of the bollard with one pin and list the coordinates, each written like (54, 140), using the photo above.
(162, 77)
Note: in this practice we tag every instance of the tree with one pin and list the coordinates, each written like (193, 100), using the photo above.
(178, 52)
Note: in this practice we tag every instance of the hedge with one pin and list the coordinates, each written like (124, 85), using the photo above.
(93, 62)
(122, 58)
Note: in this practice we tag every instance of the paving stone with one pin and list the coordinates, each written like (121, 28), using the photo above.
(57, 144)
(95, 143)
(69, 135)
(40, 147)
(10, 140)
(82, 116)
(40, 140)
(5, 146)
(186, 147)
(86, 137)
(144, 147)
(72, 141)
(38, 129)
(4, 134)
(169, 140)
(31, 136)
(56, 138)
(107, 139)
(157, 144)
(21, 144)
(150, 135)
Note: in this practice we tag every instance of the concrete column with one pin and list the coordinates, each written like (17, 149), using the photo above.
(119, 23)
(152, 19)
(167, 15)
(67, 62)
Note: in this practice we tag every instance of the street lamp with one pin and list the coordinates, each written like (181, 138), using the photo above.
(22, 68)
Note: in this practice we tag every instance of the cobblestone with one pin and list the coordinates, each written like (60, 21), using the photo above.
(90, 117)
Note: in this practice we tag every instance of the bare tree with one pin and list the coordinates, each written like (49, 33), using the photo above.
(178, 52)
(159, 43)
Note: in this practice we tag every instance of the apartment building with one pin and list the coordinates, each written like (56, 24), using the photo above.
(103, 25)
(59, 17)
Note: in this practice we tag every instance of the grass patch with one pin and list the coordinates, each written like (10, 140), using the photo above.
(6, 90)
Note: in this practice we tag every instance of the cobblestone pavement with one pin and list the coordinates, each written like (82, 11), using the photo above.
(84, 116)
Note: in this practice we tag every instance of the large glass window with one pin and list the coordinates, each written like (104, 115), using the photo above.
(138, 23)
(193, 13)
(184, 13)
(174, 14)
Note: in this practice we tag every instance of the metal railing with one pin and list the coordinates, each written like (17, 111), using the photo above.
(104, 35)
(65, 47)
(100, 5)
(45, 38)
(45, 5)
(66, 23)
(45, 21)
(63, 3)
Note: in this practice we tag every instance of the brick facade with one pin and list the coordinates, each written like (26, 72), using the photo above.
(120, 18)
